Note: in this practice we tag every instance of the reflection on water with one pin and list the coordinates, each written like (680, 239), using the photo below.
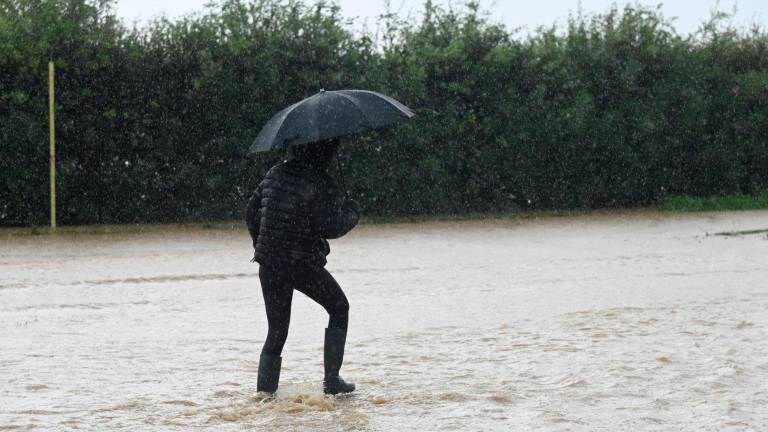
(615, 322)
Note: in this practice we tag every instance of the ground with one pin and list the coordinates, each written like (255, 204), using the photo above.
(621, 321)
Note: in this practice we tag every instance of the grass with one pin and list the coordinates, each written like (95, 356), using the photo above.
(118, 229)
(716, 203)
(457, 217)
(101, 230)
(238, 224)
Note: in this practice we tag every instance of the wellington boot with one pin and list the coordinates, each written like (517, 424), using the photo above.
(336, 385)
(333, 357)
(269, 373)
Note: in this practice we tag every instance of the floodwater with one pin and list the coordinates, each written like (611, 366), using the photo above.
(626, 321)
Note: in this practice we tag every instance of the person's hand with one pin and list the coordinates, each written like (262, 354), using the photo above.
(324, 246)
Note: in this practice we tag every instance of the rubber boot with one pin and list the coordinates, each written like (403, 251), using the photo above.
(269, 373)
(333, 356)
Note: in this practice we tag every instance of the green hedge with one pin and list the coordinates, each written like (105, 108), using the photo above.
(154, 123)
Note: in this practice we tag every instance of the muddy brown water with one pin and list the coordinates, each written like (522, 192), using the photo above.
(628, 321)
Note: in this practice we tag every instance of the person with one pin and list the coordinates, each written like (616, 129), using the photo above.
(290, 217)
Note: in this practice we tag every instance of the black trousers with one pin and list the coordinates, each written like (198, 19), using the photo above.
(277, 285)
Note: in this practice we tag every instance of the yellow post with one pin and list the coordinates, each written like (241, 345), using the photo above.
(52, 155)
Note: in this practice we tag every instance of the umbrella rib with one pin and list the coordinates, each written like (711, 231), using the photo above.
(352, 101)
(407, 112)
(288, 111)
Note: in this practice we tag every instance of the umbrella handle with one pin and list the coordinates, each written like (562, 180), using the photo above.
(341, 174)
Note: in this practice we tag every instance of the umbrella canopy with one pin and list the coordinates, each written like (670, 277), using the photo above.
(329, 114)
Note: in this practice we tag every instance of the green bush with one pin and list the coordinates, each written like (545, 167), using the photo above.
(154, 123)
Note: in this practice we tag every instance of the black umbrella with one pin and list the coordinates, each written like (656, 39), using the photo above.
(329, 114)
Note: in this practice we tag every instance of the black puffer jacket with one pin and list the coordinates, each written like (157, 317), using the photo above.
(292, 213)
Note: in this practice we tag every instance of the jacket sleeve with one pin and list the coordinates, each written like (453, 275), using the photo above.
(332, 216)
(253, 215)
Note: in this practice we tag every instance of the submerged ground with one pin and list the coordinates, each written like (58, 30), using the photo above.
(630, 321)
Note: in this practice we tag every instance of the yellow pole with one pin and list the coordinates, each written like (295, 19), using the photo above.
(52, 155)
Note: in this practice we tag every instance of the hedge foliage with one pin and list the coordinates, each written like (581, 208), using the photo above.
(154, 122)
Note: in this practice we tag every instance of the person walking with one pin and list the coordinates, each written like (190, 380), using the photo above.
(290, 217)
